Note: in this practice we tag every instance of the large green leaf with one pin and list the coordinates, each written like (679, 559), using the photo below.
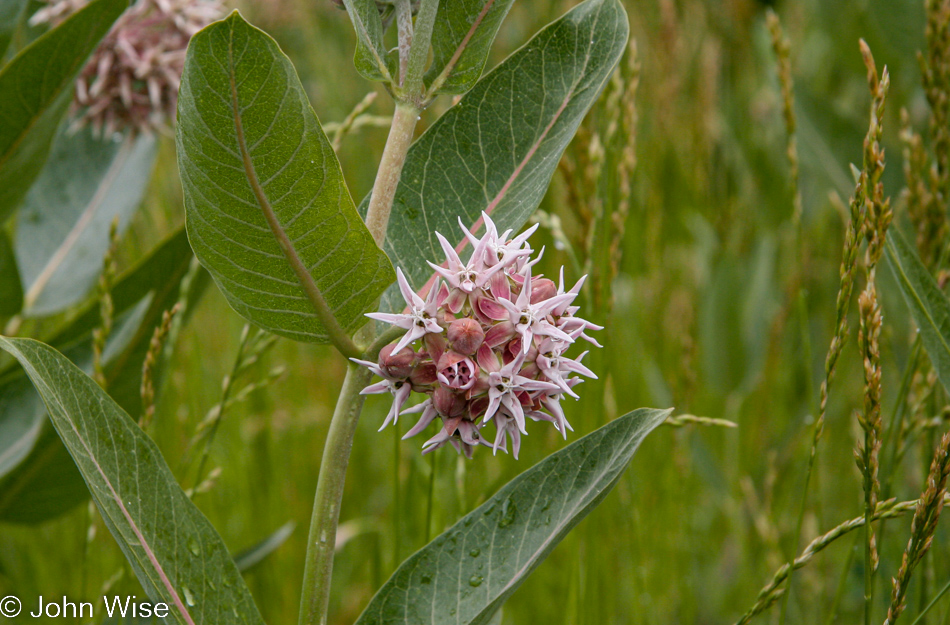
(466, 574)
(268, 212)
(176, 553)
(37, 87)
(372, 60)
(10, 12)
(63, 225)
(46, 483)
(928, 305)
(461, 39)
(497, 149)
(39, 479)
(11, 290)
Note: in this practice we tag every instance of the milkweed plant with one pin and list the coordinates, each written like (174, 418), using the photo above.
(429, 289)
(433, 289)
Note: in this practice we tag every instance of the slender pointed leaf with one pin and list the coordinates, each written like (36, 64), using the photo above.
(63, 225)
(466, 574)
(176, 553)
(461, 41)
(252, 556)
(371, 59)
(266, 205)
(11, 290)
(37, 87)
(497, 149)
(928, 305)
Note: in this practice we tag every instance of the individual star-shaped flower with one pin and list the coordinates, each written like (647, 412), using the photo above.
(505, 385)
(565, 313)
(421, 318)
(399, 387)
(531, 319)
(497, 249)
(557, 368)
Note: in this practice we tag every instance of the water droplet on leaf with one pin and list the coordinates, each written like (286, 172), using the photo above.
(508, 513)
(475, 581)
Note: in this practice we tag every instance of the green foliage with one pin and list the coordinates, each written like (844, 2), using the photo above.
(31, 109)
(372, 60)
(466, 574)
(45, 483)
(11, 290)
(927, 303)
(461, 40)
(10, 12)
(63, 225)
(268, 211)
(540, 94)
(175, 552)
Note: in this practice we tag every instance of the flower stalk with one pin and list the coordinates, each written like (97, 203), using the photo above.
(318, 568)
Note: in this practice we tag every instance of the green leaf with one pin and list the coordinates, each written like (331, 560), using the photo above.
(928, 305)
(467, 573)
(37, 88)
(497, 149)
(39, 478)
(21, 421)
(10, 12)
(252, 556)
(371, 59)
(461, 41)
(11, 291)
(63, 225)
(177, 555)
(267, 210)
(46, 483)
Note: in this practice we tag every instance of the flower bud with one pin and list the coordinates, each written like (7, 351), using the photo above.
(542, 289)
(466, 336)
(422, 376)
(397, 365)
(448, 403)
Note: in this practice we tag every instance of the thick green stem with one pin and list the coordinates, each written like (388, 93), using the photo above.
(390, 169)
(326, 506)
(419, 54)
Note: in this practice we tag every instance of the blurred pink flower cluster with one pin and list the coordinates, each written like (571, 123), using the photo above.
(486, 345)
(131, 81)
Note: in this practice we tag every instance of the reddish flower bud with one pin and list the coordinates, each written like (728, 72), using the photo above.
(398, 365)
(423, 375)
(435, 345)
(448, 403)
(542, 289)
(466, 336)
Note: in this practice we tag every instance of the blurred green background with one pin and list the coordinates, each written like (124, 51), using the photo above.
(705, 317)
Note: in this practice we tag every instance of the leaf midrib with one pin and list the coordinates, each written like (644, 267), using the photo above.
(459, 51)
(143, 543)
(320, 305)
(85, 219)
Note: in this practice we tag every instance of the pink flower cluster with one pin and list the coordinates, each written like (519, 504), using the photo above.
(486, 345)
(131, 81)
